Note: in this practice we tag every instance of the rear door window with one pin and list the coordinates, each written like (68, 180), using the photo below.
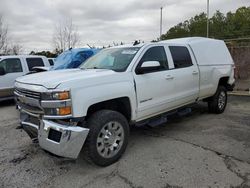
(34, 62)
(51, 62)
(11, 65)
(181, 56)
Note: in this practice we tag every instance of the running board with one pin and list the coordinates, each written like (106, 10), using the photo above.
(163, 118)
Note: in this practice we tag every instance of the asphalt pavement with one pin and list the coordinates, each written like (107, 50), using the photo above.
(197, 150)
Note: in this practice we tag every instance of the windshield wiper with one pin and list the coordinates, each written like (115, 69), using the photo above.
(96, 68)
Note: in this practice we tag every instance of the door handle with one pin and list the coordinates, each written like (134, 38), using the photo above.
(195, 73)
(169, 77)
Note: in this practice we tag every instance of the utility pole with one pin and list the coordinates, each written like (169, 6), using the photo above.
(160, 24)
(207, 18)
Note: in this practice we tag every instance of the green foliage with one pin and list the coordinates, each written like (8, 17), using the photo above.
(231, 25)
(47, 54)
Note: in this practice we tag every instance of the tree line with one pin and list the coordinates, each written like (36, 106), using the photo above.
(221, 26)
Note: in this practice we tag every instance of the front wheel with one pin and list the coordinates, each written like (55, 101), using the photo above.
(218, 102)
(108, 137)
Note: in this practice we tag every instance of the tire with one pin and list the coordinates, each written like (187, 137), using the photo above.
(218, 102)
(108, 137)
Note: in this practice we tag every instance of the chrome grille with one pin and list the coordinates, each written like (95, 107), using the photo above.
(28, 93)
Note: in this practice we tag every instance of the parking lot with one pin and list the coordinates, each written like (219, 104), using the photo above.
(198, 150)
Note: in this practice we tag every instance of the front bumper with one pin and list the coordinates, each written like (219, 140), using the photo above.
(61, 140)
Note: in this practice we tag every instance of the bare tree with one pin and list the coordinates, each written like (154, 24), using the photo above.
(65, 35)
(16, 49)
(3, 35)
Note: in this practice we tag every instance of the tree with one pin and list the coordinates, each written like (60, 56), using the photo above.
(47, 54)
(198, 25)
(231, 25)
(3, 35)
(7, 46)
(12, 49)
(65, 36)
(16, 49)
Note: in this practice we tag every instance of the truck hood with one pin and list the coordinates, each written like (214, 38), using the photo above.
(53, 79)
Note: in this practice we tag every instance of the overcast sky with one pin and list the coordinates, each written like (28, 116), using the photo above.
(100, 22)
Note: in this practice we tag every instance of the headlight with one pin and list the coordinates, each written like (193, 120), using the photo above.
(56, 95)
(56, 103)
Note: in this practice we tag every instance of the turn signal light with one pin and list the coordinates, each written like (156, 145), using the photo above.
(64, 110)
(62, 95)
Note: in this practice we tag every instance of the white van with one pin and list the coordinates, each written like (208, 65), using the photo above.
(12, 67)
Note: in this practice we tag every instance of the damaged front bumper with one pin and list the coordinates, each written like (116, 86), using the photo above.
(61, 140)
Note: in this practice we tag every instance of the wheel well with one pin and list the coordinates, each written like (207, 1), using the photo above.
(224, 82)
(121, 105)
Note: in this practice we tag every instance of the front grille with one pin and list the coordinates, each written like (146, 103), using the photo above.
(54, 135)
(28, 93)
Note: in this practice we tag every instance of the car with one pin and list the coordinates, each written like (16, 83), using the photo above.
(12, 67)
(122, 86)
(69, 59)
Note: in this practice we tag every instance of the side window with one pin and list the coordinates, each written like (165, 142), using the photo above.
(181, 56)
(156, 53)
(51, 62)
(11, 65)
(34, 62)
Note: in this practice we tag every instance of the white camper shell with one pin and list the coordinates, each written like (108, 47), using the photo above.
(207, 51)
(212, 59)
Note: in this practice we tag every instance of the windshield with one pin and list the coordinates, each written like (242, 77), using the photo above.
(62, 60)
(116, 59)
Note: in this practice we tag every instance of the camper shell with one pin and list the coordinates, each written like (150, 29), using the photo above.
(206, 51)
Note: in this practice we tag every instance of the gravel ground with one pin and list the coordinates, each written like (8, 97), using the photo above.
(198, 150)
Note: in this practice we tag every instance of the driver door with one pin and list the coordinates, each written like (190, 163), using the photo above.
(155, 89)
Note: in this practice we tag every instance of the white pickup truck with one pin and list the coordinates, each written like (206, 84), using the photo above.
(96, 104)
(14, 66)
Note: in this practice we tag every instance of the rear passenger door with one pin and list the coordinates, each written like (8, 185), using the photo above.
(34, 62)
(186, 75)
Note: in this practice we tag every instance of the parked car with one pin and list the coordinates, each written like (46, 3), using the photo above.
(118, 87)
(69, 59)
(12, 67)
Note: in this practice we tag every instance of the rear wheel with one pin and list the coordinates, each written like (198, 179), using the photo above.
(218, 102)
(108, 137)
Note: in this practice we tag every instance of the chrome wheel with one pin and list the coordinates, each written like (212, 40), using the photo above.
(222, 100)
(110, 139)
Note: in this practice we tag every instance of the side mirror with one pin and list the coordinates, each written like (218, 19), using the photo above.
(148, 66)
(2, 71)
